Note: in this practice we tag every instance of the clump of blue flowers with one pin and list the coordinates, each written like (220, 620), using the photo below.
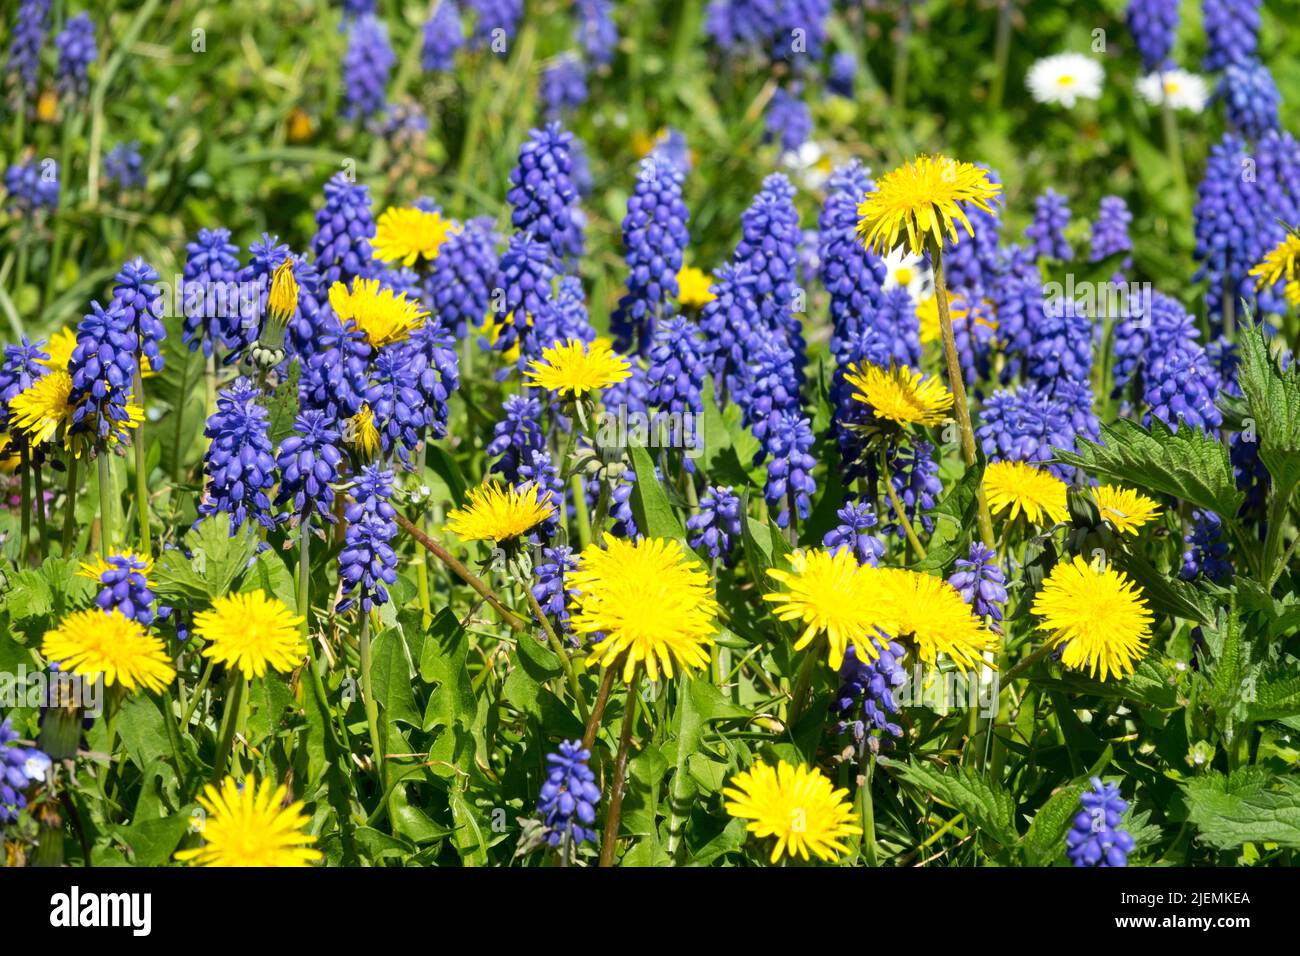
(1097, 837)
(568, 798)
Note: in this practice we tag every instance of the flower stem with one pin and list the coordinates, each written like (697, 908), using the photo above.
(959, 393)
(70, 506)
(198, 692)
(229, 721)
(1001, 52)
(558, 647)
(105, 499)
(141, 473)
(609, 842)
(372, 706)
(899, 95)
(802, 681)
(898, 507)
(1025, 663)
(25, 500)
(1173, 143)
(465, 574)
(598, 712)
(40, 510)
(866, 807)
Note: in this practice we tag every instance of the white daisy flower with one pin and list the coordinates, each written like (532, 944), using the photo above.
(1065, 78)
(1186, 91)
(909, 271)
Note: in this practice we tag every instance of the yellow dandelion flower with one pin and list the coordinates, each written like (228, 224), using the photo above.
(251, 825)
(899, 394)
(47, 106)
(1124, 508)
(251, 632)
(1098, 614)
(43, 408)
(492, 329)
(798, 806)
(299, 125)
(1019, 487)
(931, 613)
(282, 300)
(577, 368)
(408, 234)
(694, 287)
(60, 348)
(360, 432)
(651, 602)
(1281, 264)
(921, 200)
(828, 594)
(94, 642)
(382, 314)
(497, 513)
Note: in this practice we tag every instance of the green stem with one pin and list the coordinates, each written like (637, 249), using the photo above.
(898, 506)
(1277, 513)
(580, 511)
(802, 681)
(609, 842)
(304, 574)
(198, 693)
(372, 706)
(105, 501)
(25, 499)
(1025, 663)
(40, 510)
(141, 472)
(229, 721)
(866, 808)
(70, 506)
(899, 95)
(598, 712)
(558, 647)
(959, 394)
(1173, 142)
(1001, 52)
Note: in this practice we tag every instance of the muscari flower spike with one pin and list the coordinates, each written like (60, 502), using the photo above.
(982, 583)
(136, 295)
(568, 798)
(852, 533)
(865, 702)
(596, 32)
(124, 167)
(30, 25)
(716, 526)
(1231, 31)
(77, 51)
(542, 196)
(367, 66)
(211, 277)
(239, 464)
(368, 563)
(32, 185)
(20, 767)
(444, 34)
(1097, 837)
(788, 120)
(124, 586)
(309, 461)
(563, 86)
(1152, 23)
(655, 238)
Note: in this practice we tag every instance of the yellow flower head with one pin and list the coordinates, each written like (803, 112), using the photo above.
(1019, 487)
(899, 394)
(360, 432)
(60, 348)
(1098, 614)
(1124, 508)
(299, 125)
(122, 559)
(383, 315)
(931, 613)
(42, 408)
(648, 600)
(497, 513)
(94, 642)
(282, 300)
(251, 632)
(921, 200)
(798, 806)
(828, 594)
(577, 369)
(47, 106)
(927, 316)
(9, 457)
(251, 826)
(408, 233)
(693, 287)
(1281, 264)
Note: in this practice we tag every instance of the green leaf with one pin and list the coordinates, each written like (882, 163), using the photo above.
(179, 389)
(953, 516)
(1046, 836)
(217, 559)
(152, 842)
(650, 505)
(1245, 808)
(1274, 699)
(1273, 397)
(391, 673)
(986, 804)
(452, 707)
(282, 406)
(1167, 594)
(1187, 464)
(270, 575)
